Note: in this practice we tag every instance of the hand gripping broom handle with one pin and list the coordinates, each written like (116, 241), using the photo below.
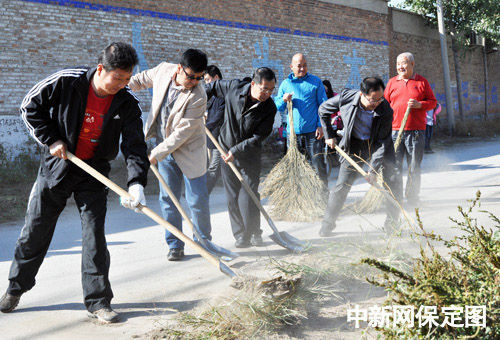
(238, 175)
(147, 211)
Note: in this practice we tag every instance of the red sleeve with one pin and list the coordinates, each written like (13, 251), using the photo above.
(430, 101)
(387, 91)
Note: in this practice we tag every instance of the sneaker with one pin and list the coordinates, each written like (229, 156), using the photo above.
(256, 241)
(242, 243)
(9, 302)
(428, 151)
(105, 315)
(175, 254)
(326, 229)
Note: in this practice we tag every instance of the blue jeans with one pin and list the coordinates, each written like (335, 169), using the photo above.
(313, 149)
(196, 197)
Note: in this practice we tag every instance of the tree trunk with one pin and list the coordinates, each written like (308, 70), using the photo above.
(486, 85)
(458, 77)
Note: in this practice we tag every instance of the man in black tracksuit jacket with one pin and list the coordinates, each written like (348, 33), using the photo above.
(248, 120)
(57, 114)
(367, 138)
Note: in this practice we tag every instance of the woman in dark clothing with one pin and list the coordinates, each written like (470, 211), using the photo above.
(328, 89)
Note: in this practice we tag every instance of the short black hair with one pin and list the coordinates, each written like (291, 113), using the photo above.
(329, 90)
(213, 71)
(194, 59)
(118, 55)
(370, 84)
(263, 73)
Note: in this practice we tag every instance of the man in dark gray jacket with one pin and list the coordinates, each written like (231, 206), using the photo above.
(367, 121)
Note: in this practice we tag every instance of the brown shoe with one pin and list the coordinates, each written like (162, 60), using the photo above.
(9, 302)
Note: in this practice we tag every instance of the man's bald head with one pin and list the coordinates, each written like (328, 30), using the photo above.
(299, 65)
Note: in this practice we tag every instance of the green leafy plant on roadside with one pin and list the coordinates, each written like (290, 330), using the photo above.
(468, 276)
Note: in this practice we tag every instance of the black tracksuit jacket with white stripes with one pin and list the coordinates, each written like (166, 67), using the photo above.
(54, 110)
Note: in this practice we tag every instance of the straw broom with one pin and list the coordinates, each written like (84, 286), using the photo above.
(293, 187)
(373, 199)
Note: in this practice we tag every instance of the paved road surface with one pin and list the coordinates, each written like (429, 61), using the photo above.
(148, 288)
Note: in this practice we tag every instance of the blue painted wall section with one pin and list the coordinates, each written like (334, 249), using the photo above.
(200, 20)
(469, 96)
(263, 60)
(354, 76)
(137, 43)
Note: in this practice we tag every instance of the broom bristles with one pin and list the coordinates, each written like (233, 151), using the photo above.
(372, 201)
(293, 187)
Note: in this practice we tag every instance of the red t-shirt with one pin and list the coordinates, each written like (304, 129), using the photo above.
(96, 109)
(399, 91)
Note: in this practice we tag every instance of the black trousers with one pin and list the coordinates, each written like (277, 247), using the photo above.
(243, 213)
(44, 207)
(360, 152)
(213, 171)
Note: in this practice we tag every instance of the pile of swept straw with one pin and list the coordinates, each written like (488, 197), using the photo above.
(293, 187)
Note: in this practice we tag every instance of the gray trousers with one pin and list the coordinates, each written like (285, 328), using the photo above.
(412, 145)
(360, 152)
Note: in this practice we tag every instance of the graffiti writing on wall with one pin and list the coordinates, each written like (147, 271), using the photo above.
(469, 97)
(263, 60)
(137, 43)
(354, 76)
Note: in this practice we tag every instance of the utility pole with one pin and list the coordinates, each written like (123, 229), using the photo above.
(446, 68)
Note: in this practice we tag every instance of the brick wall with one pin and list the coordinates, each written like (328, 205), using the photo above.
(342, 44)
(425, 46)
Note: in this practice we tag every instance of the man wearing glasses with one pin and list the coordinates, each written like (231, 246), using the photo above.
(306, 92)
(176, 120)
(248, 120)
(367, 121)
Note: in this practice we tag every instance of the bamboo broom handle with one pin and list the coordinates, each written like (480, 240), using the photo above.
(351, 161)
(402, 128)
(147, 211)
(238, 175)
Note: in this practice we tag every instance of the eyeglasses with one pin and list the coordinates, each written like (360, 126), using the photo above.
(192, 76)
(374, 101)
(267, 91)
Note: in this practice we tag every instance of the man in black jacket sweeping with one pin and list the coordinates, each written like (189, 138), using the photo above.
(248, 120)
(83, 111)
(367, 121)
(215, 117)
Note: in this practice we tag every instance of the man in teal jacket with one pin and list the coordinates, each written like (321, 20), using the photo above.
(306, 92)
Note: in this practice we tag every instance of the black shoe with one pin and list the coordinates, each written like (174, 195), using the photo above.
(326, 229)
(242, 243)
(9, 302)
(175, 254)
(428, 151)
(256, 241)
(104, 315)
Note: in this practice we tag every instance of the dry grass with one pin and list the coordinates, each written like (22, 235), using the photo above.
(280, 307)
(295, 191)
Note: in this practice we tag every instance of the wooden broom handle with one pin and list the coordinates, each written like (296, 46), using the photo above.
(351, 161)
(147, 211)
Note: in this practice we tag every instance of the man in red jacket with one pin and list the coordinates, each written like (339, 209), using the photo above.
(409, 89)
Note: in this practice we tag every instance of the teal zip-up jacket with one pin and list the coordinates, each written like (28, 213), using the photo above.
(308, 94)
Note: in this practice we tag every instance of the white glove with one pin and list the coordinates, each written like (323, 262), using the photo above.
(137, 193)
